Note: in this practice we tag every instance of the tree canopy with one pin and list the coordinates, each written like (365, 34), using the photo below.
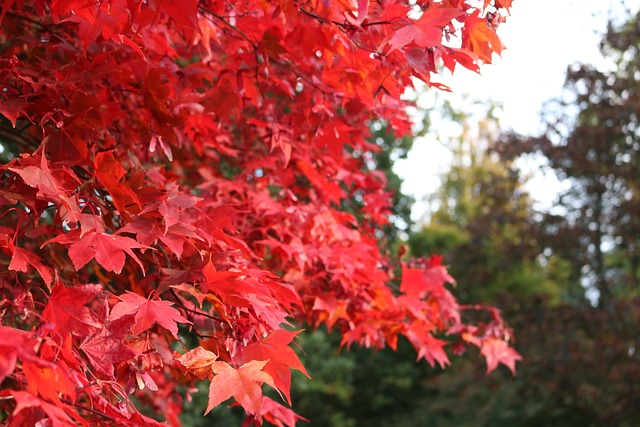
(177, 190)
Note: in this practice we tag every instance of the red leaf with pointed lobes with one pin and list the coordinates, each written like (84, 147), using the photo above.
(183, 12)
(27, 402)
(13, 109)
(14, 343)
(21, 258)
(149, 230)
(108, 249)
(243, 384)
(227, 284)
(420, 282)
(109, 172)
(480, 38)
(277, 414)
(498, 351)
(275, 348)
(50, 382)
(67, 312)
(106, 348)
(426, 31)
(226, 110)
(427, 346)
(63, 7)
(147, 313)
(49, 187)
(110, 20)
(329, 190)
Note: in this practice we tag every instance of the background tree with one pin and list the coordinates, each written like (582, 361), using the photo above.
(597, 153)
(483, 215)
(578, 325)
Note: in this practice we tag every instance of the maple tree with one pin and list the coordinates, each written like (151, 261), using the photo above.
(179, 169)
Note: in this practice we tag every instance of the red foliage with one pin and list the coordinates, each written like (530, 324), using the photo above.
(185, 167)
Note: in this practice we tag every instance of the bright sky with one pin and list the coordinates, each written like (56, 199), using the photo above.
(542, 38)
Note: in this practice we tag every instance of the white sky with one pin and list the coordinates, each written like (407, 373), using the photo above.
(542, 38)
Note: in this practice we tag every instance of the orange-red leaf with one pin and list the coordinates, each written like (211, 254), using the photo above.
(243, 384)
(14, 343)
(275, 348)
(109, 172)
(50, 382)
(277, 414)
(480, 38)
(427, 346)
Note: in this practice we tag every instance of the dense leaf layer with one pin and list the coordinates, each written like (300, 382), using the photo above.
(192, 164)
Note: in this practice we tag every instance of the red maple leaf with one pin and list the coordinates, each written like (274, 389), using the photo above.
(420, 282)
(148, 230)
(14, 108)
(25, 414)
(330, 190)
(427, 346)
(226, 284)
(277, 414)
(184, 12)
(108, 249)
(480, 38)
(21, 258)
(67, 312)
(148, 312)
(14, 343)
(50, 382)
(243, 384)
(50, 188)
(106, 348)
(264, 206)
(275, 348)
(109, 172)
(426, 31)
(498, 351)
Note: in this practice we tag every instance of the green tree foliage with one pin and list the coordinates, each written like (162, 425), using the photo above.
(579, 369)
(484, 217)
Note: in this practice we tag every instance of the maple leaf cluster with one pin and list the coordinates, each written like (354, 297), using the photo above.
(175, 190)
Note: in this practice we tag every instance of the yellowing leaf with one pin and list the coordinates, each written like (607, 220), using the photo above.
(198, 362)
(480, 38)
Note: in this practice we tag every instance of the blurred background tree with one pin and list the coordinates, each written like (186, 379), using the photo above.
(567, 277)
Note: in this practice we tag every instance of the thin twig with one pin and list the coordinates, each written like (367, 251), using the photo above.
(86, 408)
